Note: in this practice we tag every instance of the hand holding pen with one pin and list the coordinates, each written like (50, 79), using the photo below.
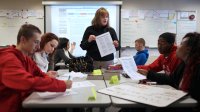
(68, 83)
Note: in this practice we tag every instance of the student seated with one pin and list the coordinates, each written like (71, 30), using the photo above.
(19, 74)
(142, 53)
(49, 42)
(62, 52)
(187, 75)
(167, 60)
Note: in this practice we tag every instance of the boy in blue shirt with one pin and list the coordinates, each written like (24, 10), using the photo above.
(142, 54)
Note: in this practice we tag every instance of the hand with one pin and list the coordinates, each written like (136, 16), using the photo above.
(116, 44)
(52, 74)
(68, 84)
(73, 45)
(143, 72)
(91, 38)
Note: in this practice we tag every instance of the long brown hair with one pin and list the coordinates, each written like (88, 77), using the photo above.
(194, 55)
(96, 22)
(46, 38)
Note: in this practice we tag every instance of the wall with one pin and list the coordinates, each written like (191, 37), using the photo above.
(127, 4)
(9, 27)
(186, 5)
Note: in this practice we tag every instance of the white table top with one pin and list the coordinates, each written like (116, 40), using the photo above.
(118, 102)
(76, 100)
(81, 99)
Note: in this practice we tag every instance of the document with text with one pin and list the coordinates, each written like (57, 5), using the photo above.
(130, 68)
(105, 44)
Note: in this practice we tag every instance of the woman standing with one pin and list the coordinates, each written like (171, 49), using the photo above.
(100, 25)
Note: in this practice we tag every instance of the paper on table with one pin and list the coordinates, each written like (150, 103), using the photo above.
(47, 95)
(105, 44)
(82, 84)
(150, 95)
(130, 68)
(74, 74)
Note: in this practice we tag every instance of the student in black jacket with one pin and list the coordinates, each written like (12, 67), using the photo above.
(100, 25)
(187, 75)
(62, 52)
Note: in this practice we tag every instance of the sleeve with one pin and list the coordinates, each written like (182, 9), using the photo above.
(140, 59)
(70, 55)
(174, 63)
(156, 66)
(160, 78)
(62, 55)
(84, 43)
(172, 80)
(114, 37)
(16, 77)
(195, 88)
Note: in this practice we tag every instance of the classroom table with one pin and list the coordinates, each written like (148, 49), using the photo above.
(79, 100)
(185, 102)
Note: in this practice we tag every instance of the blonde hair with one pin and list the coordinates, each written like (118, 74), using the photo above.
(140, 40)
(99, 13)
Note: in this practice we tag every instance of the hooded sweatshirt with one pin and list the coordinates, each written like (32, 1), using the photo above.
(167, 64)
(19, 77)
(141, 57)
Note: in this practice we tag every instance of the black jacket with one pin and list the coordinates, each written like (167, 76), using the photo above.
(175, 79)
(92, 49)
(60, 55)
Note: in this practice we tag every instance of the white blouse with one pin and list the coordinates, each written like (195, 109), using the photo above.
(66, 53)
(41, 60)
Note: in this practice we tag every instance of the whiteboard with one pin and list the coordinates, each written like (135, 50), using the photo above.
(149, 24)
(155, 96)
(71, 21)
(11, 22)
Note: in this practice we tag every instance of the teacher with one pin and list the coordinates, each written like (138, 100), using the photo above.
(100, 25)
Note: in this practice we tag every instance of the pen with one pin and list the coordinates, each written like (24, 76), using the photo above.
(69, 78)
(151, 83)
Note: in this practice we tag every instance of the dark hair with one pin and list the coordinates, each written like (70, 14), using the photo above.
(27, 31)
(169, 37)
(194, 43)
(62, 43)
(46, 38)
(140, 40)
(99, 13)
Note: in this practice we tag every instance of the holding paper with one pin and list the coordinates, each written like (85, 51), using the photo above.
(130, 68)
(105, 44)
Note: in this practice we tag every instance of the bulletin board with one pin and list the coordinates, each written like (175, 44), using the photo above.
(149, 24)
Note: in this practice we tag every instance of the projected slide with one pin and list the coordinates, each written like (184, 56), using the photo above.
(71, 22)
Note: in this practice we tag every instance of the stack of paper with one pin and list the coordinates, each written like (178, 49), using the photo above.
(130, 68)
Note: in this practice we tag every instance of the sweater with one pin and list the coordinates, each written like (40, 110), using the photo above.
(60, 55)
(91, 47)
(141, 57)
(168, 64)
